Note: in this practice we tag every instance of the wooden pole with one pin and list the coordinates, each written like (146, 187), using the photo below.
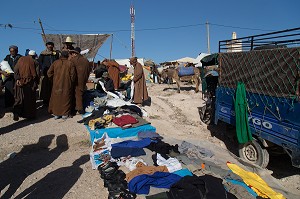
(111, 45)
(43, 32)
(208, 42)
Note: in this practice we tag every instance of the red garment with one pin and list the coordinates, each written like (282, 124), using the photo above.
(125, 120)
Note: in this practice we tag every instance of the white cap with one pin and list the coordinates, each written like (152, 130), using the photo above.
(31, 52)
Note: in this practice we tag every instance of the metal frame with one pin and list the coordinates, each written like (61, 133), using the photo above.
(288, 38)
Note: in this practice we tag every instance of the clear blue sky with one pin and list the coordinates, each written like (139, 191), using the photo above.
(96, 16)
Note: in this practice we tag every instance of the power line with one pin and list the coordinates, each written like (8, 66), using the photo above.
(122, 43)
(237, 27)
(143, 29)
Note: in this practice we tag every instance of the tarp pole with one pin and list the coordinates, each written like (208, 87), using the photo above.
(111, 45)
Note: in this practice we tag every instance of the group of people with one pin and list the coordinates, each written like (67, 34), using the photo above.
(61, 78)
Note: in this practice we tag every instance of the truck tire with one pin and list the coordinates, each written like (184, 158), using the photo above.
(254, 153)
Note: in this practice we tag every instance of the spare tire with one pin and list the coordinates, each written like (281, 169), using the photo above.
(252, 152)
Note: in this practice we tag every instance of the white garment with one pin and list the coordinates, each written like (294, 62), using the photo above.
(117, 102)
(132, 90)
(84, 51)
(109, 141)
(172, 163)
(132, 162)
(4, 66)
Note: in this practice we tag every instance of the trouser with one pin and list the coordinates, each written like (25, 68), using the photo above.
(9, 98)
(45, 89)
(78, 95)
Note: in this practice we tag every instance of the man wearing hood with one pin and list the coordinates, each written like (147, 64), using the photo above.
(26, 84)
(63, 74)
(113, 71)
(140, 93)
(83, 72)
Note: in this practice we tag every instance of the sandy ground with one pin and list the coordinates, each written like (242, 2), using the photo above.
(52, 155)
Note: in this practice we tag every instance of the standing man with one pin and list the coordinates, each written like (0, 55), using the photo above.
(113, 71)
(9, 81)
(83, 72)
(46, 58)
(68, 44)
(140, 93)
(63, 73)
(26, 84)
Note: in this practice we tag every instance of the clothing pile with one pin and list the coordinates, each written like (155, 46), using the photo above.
(133, 159)
(145, 164)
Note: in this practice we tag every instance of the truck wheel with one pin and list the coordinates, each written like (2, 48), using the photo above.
(206, 116)
(254, 153)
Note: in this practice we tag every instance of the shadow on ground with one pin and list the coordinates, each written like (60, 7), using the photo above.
(30, 159)
(182, 88)
(42, 115)
(56, 183)
(281, 165)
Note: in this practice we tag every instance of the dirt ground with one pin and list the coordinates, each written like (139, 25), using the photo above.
(50, 157)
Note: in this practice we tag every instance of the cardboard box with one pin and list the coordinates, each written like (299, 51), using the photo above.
(90, 85)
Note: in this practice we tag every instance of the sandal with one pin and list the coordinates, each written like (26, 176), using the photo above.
(119, 177)
(107, 165)
(127, 195)
(109, 173)
(114, 187)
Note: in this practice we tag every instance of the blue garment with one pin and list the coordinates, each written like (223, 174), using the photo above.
(117, 152)
(133, 144)
(183, 172)
(253, 193)
(119, 132)
(148, 134)
(141, 184)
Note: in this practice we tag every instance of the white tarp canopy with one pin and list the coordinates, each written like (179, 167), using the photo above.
(198, 59)
(126, 62)
(184, 60)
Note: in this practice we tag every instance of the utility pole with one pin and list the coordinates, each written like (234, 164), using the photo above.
(43, 32)
(132, 17)
(111, 45)
(208, 42)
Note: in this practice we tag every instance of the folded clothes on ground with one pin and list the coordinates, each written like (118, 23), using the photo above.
(133, 144)
(117, 152)
(149, 134)
(124, 120)
(171, 163)
(141, 184)
(143, 169)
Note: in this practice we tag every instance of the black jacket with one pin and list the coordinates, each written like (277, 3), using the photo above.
(46, 59)
(12, 62)
(109, 85)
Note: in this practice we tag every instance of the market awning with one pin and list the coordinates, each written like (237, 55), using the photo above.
(87, 42)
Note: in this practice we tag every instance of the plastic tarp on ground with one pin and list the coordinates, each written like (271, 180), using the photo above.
(90, 42)
(119, 132)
